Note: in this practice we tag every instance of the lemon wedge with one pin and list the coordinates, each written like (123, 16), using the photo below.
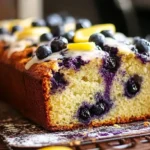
(24, 23)
(32, 32)
(85, 46)
(5, 24)
(56, 148)
(82, 35)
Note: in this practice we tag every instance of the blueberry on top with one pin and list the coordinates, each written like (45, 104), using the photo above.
(111, 63)
(84, 114)
(136, 39)
(134, 49)
(38, 23)
(107, 33)
(58, 44)
(46, 37)
(66, 17)
(43, 52)
(132, 86)
(143, 46)
(54, 20)
(82, 23)
(57, 30)
(16, 28)
(69, 19)
(69, 36)
(98, 38)
(3, 31)
(148, 37)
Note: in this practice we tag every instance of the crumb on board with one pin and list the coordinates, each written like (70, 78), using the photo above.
(85, 133)
(75, 142)
(117, 126)
(146, 123)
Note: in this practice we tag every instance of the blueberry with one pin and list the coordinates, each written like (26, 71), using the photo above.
(3, 31)
(84, 114)
(16, 28)
(112, 63)
(54, 20)
(57, 30)
(136, 39)
(107, 33)
(133, 85)
(98, 38)
(58, 82)
(82, 23)
(148, 37)
(58, 44)
(111, 50)
(69, 36)
(43, 51)
(143, 46)
(98, 109)
(69, 19)
(38, 23)
(134, 49)
(46, 37)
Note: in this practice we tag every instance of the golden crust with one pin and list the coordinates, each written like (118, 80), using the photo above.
(95, 124)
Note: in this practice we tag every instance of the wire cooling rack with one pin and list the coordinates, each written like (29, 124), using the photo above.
(18, 133)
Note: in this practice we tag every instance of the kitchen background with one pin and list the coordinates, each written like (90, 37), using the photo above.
(131, 17)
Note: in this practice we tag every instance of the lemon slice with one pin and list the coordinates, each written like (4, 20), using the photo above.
(56, 148)
(85, 46)
(5, 24)
(82, 35)
(32, 32)
(24, 23)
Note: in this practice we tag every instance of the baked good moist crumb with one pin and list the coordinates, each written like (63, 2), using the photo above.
(99, 80)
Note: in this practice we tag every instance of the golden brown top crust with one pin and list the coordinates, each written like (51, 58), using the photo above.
(20, 58)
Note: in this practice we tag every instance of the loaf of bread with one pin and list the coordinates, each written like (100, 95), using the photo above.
(100, 80)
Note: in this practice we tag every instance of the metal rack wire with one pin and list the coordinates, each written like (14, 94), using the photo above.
(138, 142)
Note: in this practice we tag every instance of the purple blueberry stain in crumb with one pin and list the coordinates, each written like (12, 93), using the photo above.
(74, 63)
(101, 106)
(111, 50)
(58, 82)
(132, 86)
(122, 72)
(108, 71)
(83, 114)
(103, 103)
(111, 63)
(87, 112)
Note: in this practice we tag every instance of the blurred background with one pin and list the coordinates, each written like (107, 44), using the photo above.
(130, 16)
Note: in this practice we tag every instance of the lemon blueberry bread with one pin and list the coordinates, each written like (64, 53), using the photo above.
(61, 86)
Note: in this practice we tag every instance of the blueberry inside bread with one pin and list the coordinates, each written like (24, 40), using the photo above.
(93, 82)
